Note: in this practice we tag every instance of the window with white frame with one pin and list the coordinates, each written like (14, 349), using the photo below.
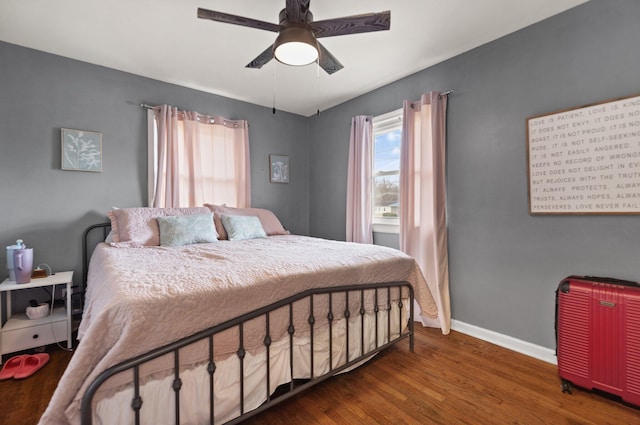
(387, 133)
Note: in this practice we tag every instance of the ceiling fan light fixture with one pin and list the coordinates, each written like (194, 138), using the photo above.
(296, 46)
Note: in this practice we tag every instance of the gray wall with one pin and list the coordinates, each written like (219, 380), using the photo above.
(504, 263)
(49, 208)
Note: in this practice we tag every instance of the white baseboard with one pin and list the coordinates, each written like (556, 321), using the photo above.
(524, 347)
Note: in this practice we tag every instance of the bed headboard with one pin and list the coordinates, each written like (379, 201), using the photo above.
(90, 238)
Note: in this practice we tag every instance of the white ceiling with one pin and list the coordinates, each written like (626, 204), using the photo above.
(164, 40)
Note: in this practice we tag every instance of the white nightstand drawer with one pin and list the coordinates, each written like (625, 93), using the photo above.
(33, 336)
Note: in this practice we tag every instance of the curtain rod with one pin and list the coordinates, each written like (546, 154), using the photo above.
(211, 119)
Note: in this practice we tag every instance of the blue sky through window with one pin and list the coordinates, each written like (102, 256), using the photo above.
(387, 151)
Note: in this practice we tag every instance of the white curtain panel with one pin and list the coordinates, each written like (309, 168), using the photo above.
(359, 181)
(196, 159)
(423, 216)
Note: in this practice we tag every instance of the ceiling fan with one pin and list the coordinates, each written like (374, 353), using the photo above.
(296, 43)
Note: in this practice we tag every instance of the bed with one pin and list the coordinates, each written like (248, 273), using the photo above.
(219, 330)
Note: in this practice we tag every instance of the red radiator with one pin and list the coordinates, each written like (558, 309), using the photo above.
(598, 333)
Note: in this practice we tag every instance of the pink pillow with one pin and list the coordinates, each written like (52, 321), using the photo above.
(270, 222)
(139, 227)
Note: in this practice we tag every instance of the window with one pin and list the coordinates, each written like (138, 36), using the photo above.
(387, 133)
(205, 159)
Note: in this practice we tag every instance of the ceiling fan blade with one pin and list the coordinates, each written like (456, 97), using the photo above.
(262, 58)
(327, 61)
(352, 24)
(237, 20)
(296, 10)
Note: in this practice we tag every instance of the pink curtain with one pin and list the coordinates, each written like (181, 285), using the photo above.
(359, 208)
(197, 158)
(423, 216)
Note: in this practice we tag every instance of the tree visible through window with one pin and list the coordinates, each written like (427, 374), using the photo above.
(387, 132)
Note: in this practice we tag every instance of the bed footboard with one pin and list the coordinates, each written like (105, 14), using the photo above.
(321, 332)
(368, 330)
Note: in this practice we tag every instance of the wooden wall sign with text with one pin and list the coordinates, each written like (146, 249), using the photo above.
(586, 160)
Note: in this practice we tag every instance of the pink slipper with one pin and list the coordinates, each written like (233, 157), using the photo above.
(31, 365)
(12, 365)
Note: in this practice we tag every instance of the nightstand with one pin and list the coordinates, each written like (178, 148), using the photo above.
(20, 332)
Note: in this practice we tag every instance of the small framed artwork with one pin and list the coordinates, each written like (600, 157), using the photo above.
(81, 150)
(279, 168)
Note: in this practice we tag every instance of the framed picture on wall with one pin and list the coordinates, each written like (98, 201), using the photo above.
(279, 168)
(81, 150)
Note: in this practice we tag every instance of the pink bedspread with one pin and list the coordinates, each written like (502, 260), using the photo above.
(142, 298)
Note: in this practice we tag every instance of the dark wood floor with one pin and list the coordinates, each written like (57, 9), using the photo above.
(23, 401)
(453, 379)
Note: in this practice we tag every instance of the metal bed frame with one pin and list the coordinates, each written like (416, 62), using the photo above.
(286, 391)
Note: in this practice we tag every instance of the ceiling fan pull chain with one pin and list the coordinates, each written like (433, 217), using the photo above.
(318, 85)
(274, 88)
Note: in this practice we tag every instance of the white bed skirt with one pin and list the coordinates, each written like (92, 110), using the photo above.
(158, 407)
